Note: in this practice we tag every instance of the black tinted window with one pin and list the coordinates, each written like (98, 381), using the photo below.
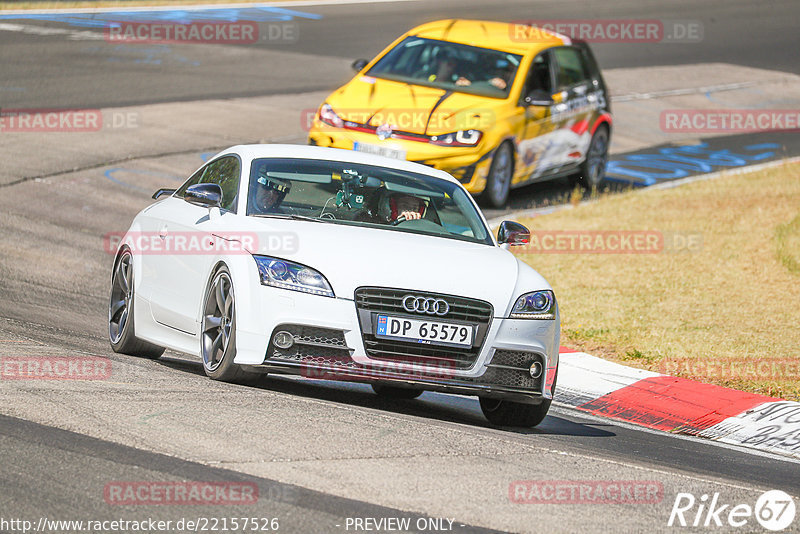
(539, 75)
(570, 67)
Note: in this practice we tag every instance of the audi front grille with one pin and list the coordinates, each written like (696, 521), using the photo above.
(372, 301)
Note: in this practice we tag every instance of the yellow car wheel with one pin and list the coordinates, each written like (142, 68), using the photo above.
(593, 168)
(498, 182)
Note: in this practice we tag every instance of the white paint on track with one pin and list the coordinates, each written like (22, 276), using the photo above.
(686, 91)
(583, 378)
(688, 437)
(771, 428)
(74, 35)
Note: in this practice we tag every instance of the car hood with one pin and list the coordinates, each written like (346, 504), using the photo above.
(351, 257)
(412, 108)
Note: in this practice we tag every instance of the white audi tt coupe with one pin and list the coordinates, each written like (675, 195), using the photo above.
(338, 265)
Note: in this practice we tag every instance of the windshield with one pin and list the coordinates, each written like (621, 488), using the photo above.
(363, 195)
(450, 66)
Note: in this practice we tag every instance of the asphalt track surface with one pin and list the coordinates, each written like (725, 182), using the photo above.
(60, 73)
(319, 452)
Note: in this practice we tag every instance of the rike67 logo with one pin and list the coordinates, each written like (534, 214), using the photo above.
(774, 510)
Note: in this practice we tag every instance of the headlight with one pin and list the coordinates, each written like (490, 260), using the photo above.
(536, 305)
(459, 138)
(288, 275)
(328, 116)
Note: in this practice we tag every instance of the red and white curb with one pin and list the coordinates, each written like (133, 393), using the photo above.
(678, 405)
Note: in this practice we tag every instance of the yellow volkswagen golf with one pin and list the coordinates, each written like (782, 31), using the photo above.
(497, 105)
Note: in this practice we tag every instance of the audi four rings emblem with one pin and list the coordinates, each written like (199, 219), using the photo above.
(427, 305)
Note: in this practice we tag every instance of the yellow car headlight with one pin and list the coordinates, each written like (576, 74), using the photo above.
(329, 117)
(459, 138)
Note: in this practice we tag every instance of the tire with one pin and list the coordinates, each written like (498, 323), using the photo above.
(218, 330)
(593, 168)
(121, 328)
(507, 413)
(498, 183)
(393, 392)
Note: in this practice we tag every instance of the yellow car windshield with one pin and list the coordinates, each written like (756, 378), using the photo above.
(449, 66)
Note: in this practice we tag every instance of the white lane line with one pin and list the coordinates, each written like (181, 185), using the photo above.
(200, 7)
(76, 35)
(686, 91)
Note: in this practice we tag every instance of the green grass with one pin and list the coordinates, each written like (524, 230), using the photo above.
(735, 297)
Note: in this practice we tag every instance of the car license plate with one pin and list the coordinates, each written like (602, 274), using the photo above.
(423, 331)
(387, 151)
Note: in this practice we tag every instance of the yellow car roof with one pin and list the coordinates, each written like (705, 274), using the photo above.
(505, 36)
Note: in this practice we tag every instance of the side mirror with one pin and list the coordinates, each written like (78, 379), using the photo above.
(539, 97)
(161, 192)
(513, 233)
(206, 195)
(359, 64)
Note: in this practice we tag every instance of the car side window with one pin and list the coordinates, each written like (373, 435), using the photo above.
(193, 180)
(225, 172)
(570, 68)
(539, 75)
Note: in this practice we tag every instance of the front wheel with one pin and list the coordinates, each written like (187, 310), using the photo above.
(121, 330)
(507, 413)
(218, 336)
(498, 183)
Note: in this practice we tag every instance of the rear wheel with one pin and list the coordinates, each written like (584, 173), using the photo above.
(508, 413)
(593, 168)
(393, 392)
(498, 183)
(218, 335)
(121, 330)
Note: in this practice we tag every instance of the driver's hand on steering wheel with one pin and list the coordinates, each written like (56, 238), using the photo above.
(409, 215)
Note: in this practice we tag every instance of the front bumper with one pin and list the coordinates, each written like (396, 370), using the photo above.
(469, 165)
(329, 345)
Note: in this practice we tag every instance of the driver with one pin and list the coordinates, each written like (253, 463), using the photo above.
(398, 207)
(446, 66)
(270, 192)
